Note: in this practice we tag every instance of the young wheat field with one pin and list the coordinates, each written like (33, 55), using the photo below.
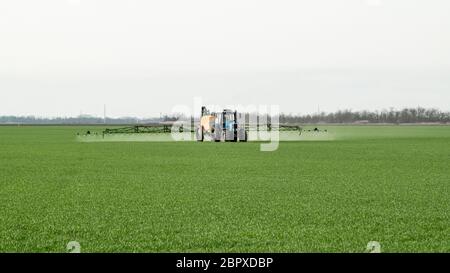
(389, 184)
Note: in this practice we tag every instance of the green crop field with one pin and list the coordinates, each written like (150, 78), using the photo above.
(389, 184)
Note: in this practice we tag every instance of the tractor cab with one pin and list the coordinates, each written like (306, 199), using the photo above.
(227, 120)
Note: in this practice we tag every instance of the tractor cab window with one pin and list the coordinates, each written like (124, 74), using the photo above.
(229, 116)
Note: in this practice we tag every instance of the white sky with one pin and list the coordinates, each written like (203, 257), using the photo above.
(140, 57)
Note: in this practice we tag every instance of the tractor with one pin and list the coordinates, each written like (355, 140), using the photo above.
(221, 126)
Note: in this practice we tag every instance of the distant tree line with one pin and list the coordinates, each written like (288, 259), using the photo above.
(406, 115)
(73, 120)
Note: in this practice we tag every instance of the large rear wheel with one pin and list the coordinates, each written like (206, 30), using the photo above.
(217, 135)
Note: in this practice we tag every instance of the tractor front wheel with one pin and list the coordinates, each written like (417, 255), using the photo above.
(243, 135)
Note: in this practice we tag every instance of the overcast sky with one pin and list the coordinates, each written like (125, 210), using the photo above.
(140, 57)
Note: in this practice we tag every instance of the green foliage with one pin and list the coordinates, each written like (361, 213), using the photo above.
(389, 184)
